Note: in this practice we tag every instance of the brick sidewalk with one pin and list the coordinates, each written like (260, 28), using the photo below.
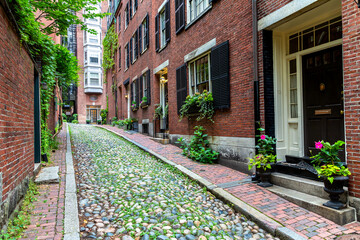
(48, 214)
(298, 219)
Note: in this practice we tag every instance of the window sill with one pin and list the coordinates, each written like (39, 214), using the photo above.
(126, 69)
(143, 51)
(189, 24)
(160, 49)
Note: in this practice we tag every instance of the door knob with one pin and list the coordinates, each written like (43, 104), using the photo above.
(342, 112)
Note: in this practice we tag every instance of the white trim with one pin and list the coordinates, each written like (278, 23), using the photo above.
(200, 50)
(296, 6)
(162, 6)
(161, 66)
(134, 78)
(144, 71)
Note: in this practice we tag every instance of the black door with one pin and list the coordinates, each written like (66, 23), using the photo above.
(323, 97)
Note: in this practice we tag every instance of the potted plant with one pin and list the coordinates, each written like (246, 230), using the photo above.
(99, 122)
(265, 159)
(87, 121)
(198, 104)
(329, 166)
(133, 106)
(144, 102)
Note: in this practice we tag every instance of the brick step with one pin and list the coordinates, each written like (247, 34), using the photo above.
(315, 204)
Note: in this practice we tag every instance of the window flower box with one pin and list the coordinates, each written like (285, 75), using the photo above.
(200, 105)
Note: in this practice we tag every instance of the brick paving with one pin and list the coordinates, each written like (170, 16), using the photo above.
(48, 214)
(298, 219)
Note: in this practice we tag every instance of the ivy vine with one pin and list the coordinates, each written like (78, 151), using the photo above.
(110, 45)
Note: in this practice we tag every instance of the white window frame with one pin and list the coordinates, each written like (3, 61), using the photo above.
(85, 57)
(144, 83)
(92, 54)
(87, 76)
(134, 39)
(193, 11)
(126, 24)
(133, 8)
(143, 35)
(99, 77)
(162, 28)
(93, 36)
(126, 56)
(192, 73)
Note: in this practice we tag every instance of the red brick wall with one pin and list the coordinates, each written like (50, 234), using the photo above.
(217, 23)
(16, 108)
(351, 53)
(265, 7)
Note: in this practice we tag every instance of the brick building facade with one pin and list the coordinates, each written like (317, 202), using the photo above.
(90, 92)
(292, 65)
(18, 113)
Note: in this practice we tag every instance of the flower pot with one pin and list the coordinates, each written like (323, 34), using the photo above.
(265, 175)
(335, 189)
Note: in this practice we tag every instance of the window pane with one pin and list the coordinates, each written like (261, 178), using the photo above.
(94, 60)
(293, 66)
(308, 40)
(293, 81)
(335, 31)
(293, 45)
(322, 36)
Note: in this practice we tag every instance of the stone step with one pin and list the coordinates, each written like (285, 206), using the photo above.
(315, 204)
(161, 140)
(304, 185)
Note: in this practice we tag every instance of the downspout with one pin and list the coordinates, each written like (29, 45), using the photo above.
(256, 74)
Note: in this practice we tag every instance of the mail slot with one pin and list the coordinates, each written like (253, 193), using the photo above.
(323, 112)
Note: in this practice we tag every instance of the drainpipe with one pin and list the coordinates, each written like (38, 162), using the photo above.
(255, 177)
(255, 68)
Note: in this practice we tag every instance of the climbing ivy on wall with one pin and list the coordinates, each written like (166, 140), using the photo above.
(110, 45)
(56, 61)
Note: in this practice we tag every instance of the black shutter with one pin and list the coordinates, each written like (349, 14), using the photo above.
(157, 33)
(147, 31)
(141, 87)
(179, 15)
(139, 38)
(128, 55)
(127, 14)
(136, 44)
(131, 50)
(132, 98)
(130, 11)
(135, 5)
(148, 91)
(181, 86)
(137, 92)
(167, 21)
(220, 79)
(119, 57)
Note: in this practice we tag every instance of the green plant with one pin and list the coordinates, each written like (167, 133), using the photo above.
(158, 114)
(265, 148)
(133, 105)
(327, 162)
(88, 121)
(22, 220)
(99, 121)
(75, 116)
(198, 149)
(75, 121)
(103, 114)
(202, 103)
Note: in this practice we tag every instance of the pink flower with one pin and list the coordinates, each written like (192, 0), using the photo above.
(263, 137)
(318, 145)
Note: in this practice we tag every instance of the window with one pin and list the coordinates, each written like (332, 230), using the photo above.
(93, 38)
(199, 73)
(119, 57)
(322, 33)
(162, 29)
(144, 85)
(85, 57)
(134, 46)
(127, 57)
(94, 59)
(143, 35)
(293, 89)
(134, 92)
(86, 79)
(196, 8)
(94, 79)
(134, 6)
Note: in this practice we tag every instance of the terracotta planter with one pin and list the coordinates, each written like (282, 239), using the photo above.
(335, 190)
(265, 175)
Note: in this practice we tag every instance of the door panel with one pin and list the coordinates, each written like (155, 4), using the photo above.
(93, 115)
(323, 104)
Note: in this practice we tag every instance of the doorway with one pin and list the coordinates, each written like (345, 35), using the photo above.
(93, 115)
(323, 98)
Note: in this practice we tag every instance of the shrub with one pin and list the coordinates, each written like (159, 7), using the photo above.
(103, 114)
(75, 121)
(198, 149)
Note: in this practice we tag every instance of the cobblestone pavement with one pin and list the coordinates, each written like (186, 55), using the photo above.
(126, 193)
(48, 214)
(298, 219)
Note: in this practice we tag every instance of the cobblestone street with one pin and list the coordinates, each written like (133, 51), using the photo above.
(123, 192)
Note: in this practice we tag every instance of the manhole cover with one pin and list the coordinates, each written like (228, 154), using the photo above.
(349, 237)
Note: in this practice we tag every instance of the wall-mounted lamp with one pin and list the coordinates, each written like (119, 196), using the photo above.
(358, 3)
(126, 96)
(163, 80)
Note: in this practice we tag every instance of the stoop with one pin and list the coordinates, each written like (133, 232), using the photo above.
(310, 195)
